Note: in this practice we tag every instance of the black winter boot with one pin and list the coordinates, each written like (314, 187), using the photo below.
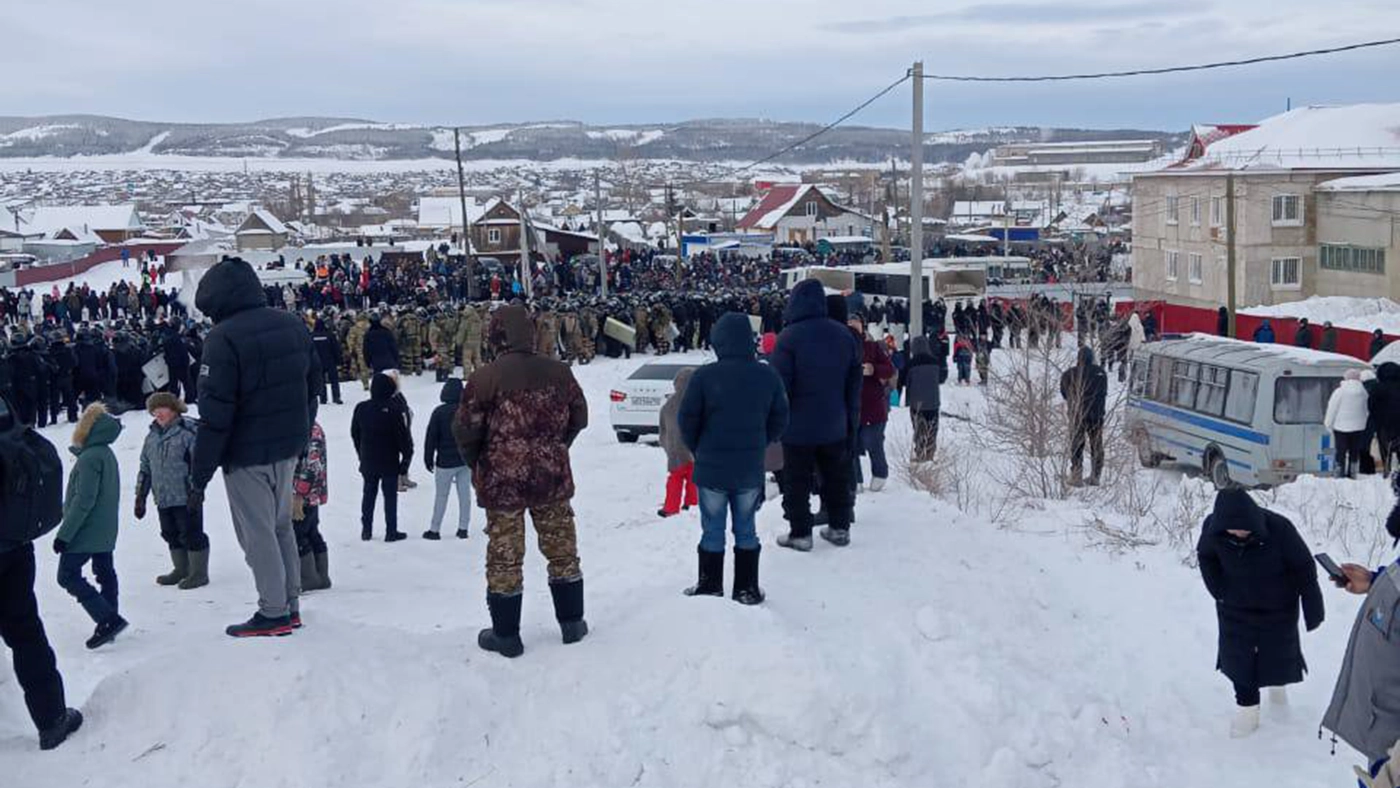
(568, 609)
(711, 575)
(57, 733)
(503, 636)
(746, 590)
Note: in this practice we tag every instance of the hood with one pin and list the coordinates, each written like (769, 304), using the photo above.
(1086, 356)
(230, 287)
(920, 347)
(1389, 372)
(512, 329)
(381, 388)
(452, 391)
(95, 428)
(683, 381)
(732, 337)
(1236, 509)
(837, 309)
(1266, 324)
(807, 301)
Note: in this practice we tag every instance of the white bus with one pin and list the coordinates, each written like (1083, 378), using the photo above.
(1244, 413)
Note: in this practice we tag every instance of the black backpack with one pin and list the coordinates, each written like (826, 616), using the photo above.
(31, 481)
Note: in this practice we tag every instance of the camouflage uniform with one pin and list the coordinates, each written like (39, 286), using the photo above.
(505, 548)
(588, 331)
(640, 321)
(547, 334)
(442, 339)
(410, 338)
(343, 325)
(568, 330)
(660, 327)
(468, 340)
(355, 347)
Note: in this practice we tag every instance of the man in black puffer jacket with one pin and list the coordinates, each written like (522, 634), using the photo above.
(444, 460)
(259, 378)
(328, 351)
(381, 349)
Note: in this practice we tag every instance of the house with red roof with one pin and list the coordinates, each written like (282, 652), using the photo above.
(801, 213)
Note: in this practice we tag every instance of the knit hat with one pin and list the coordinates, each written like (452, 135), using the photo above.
(163, 399)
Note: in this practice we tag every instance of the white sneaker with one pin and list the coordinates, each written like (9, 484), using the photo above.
(877, 484)
(1278, 696)
(1246, 721)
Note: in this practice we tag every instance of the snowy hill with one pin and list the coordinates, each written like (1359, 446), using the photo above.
(939, 649)
(357, 139)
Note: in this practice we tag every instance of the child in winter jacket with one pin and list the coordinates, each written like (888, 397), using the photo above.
(165, 474)
(89, 530)
(962, 356)
(309, 494)
(680, 465)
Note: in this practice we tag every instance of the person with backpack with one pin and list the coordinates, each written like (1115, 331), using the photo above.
(31, 505)
(309, 494)
(165, 472)
(89, 530)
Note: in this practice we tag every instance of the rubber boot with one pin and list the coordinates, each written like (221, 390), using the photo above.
(180, 559)
(503, 636)
(568, 609)
(711, 575)
(323, 569)
(746, 590)
(310, 580)
(199, 570)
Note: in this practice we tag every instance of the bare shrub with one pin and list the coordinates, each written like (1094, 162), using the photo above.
(1026, 423)
(952, 475)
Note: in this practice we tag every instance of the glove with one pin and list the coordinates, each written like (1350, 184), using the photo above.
(59, 546)
(298, 508)
(140, 508)
(194, 500)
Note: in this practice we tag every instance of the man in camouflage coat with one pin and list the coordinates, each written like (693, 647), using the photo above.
(588, 334)
(519, 416)
(568, 334)
(442, 339)
(640, 322)
(547, 334)
(661, 328)
(355, 349)
(469, 339)
(410, 337)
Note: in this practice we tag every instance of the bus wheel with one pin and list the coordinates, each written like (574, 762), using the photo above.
(1219, 471)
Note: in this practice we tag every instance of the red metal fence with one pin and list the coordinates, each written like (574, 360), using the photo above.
(25, 277)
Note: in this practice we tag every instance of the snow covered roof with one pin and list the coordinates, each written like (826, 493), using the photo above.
(774, 205)
(1352, 137)
(1385, 182)
(1209, 347)
(270, 224)
(978, 209)
(47, 219)
(446, 211)
(1361, 314)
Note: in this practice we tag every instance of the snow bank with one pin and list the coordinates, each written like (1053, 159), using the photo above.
(1362, 314)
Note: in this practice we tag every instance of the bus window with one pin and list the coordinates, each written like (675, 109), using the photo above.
(1139, 378)
(1159, 383)
(1302, 400)
(1244, 390)
(1183, 389)
(1211, 399)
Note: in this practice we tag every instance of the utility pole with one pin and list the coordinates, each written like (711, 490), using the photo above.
(602, 253)
(916, 209)
(1230, 294)
(527, 284)
(462, 201)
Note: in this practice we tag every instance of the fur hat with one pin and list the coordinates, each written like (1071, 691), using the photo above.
(162, 399)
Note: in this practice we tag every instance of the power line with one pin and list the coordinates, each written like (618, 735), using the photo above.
(1168, 69)
(823, 130)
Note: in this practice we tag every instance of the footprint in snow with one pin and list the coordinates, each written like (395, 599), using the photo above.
(932, 624)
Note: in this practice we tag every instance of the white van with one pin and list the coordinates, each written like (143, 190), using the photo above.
(1244, 413)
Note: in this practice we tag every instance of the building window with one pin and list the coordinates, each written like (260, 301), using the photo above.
(1193, 268)
(1288, 210)
(812, 208)
(1284, 273)
(1195, 211)
(493, 235)
(1217, 211)
(1173, 209)
(1355, 259)
(1173, 265)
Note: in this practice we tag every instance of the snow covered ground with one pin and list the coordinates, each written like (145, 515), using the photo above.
(939, 649)
(1362, 314)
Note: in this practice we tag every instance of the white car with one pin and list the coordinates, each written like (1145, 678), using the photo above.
(637, 401)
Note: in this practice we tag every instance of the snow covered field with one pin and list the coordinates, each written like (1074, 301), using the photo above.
(940, 649)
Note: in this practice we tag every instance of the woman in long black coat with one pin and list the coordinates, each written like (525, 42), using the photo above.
(1259, 570)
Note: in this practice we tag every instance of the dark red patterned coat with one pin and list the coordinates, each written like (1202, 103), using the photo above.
(518, 417)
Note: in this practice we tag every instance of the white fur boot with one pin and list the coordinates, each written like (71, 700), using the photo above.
(1246, 721)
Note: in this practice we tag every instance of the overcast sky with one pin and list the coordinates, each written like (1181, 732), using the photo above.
(640, 61)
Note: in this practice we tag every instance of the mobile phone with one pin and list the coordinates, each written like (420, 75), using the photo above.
(1331, 567)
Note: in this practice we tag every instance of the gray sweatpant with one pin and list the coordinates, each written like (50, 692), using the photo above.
(260, 500)
(444, 479)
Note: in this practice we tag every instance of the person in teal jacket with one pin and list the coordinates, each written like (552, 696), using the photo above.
(89, 530)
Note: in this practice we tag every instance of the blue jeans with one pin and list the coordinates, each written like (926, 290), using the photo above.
(444, 481)
(871, 440)
(100, 605)
(742, 505)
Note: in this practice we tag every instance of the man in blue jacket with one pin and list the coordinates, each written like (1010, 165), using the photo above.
(819, 361)
(732, 410)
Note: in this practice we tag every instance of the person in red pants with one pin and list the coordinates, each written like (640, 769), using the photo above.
(680, 483)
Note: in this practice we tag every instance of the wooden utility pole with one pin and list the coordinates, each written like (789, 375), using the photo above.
(462, 200)
(1230, 294)
(916, 209)
(527, 283)
(602, 253)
